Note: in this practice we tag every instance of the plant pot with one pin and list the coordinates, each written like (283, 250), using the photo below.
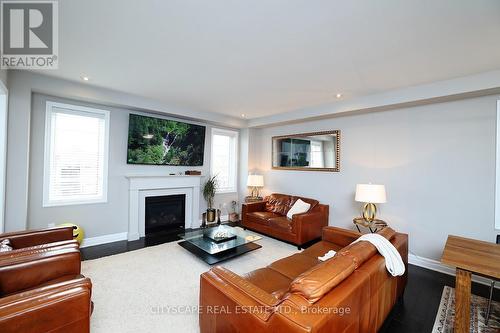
(210, 215)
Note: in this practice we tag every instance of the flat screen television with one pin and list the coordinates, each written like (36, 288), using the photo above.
(159, 141)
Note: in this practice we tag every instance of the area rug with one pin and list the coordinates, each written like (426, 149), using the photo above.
(446, 314)
(156, 289)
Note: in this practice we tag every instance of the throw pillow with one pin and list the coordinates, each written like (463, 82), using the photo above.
(5, 246)
(298, 207)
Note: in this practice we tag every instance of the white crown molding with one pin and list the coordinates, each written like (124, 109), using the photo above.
(487, 83)
(104, 239)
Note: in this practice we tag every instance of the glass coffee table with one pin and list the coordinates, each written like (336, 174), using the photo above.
(219, 243)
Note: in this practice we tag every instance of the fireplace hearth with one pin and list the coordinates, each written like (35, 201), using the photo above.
(165, 213)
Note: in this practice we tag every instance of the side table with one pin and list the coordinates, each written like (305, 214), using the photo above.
(373, 226)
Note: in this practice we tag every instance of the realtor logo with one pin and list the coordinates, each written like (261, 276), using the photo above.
(29, 38)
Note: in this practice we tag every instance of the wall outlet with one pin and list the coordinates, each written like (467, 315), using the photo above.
(51, 225)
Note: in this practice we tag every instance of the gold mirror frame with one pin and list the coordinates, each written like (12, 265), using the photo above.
(337, 151)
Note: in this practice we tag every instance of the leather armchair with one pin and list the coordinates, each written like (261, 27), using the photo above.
(41, 288)
(269, 217)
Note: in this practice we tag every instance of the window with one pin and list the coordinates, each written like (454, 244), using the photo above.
(497, 191)
(76, 155)
(224, 159)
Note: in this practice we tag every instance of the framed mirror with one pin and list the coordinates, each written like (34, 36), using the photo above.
(316, 151)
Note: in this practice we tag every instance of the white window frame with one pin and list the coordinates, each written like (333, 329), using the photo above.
(75, 109)
(235, 136)
(497, 182)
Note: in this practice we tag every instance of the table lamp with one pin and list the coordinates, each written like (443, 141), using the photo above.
(255, 181)
(370, 194)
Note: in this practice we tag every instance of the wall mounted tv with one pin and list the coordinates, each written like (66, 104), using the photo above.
(159, 141)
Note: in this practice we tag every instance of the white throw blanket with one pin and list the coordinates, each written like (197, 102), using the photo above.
(393, 261)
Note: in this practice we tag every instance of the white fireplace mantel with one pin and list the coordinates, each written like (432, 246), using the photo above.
(143, 186)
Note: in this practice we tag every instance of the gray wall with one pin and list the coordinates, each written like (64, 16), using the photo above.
(22, 85)
(437, 162)
(105, 218)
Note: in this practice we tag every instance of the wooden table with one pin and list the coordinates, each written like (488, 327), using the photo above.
(469, 256)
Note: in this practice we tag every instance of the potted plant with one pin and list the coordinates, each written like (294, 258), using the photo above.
(209, 189)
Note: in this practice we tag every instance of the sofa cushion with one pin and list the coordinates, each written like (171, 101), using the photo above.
(278, 203)
(269, 280)
(362, 251)
(322, 278)
(281, 203)
(320, 249)
(298, 207)
(281, 222)
(294, 265)
(261, 217)
(358, 252)
(310, 201)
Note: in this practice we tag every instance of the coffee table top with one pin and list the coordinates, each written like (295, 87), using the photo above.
(472, 255)
(218, 239)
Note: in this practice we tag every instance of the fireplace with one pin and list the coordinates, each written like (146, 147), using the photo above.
(166, 213)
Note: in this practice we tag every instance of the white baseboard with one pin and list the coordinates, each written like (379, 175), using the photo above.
(104, 239)
(439, 267)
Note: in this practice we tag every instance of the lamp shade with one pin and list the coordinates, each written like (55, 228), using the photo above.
(255, 181)
(370, 193)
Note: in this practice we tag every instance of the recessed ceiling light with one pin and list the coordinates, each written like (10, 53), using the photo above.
(243, 115)
(84, 77)
(339, 95)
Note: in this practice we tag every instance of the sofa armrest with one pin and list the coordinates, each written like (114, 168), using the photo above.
(28, 270)
(250, 207)
(36, 249)
(309, 225)
(339, 236)
(61, 307)
(241, 292)
(29, 238)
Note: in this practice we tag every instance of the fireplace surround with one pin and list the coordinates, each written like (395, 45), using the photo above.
(145, 186)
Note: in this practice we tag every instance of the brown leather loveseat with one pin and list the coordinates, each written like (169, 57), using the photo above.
(269, 217)
(351, 292)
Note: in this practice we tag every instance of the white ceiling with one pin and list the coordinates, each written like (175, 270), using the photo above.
(265, 57)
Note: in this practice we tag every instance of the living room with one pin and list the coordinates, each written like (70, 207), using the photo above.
(230, 167)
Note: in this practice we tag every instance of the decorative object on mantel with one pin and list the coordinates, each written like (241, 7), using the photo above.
(192, 173)
(209, 189)
(234, 216)
(218, 217)
(370, 194)
(316, 151)
(255, 181)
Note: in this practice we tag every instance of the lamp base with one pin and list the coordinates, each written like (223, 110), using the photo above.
(369, 212)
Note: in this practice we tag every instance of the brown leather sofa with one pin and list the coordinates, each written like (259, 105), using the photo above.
(352, 292)
(269, 217)
(41, 288)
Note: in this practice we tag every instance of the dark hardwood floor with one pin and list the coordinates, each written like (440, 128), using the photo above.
(415, 314)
